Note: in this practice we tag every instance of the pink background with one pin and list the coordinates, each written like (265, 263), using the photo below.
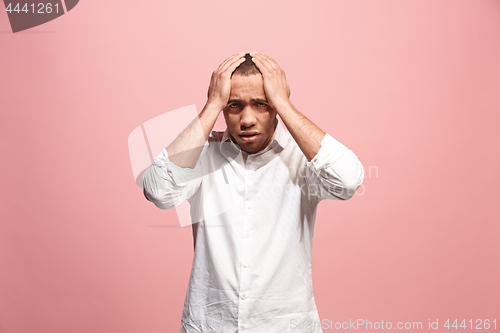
(412, 87)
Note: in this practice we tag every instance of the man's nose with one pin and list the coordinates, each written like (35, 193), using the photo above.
(248, 117)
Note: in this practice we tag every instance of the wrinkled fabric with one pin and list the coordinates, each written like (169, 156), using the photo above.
(253, 225)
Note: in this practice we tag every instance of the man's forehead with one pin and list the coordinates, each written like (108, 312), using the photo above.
(249, 80)
(247, 87)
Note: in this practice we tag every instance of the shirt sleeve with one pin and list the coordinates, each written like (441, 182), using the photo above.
(168, 185)
(335, 172)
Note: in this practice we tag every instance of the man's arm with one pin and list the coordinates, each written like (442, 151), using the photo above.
(175, 175)
(334, 168)
(307, 135)
(185, 150)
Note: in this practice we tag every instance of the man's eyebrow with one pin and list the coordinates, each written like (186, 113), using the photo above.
(258, 100)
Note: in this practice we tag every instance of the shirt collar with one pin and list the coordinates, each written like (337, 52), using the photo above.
(279, 135)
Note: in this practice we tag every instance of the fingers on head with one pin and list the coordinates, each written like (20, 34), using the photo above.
(265, 59)
(231, 65)
(262, 63)
(231, 59)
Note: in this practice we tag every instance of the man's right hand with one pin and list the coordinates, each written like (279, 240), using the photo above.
(185, 150)
(220, 83)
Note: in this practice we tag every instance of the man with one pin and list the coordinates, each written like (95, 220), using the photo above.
(253, 191)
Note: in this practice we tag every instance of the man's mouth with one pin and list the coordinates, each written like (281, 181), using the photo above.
(249, 137)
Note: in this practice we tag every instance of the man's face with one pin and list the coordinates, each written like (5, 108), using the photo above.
(250, 119)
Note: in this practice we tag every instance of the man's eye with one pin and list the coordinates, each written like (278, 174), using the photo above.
(262, 104)
(233, 106)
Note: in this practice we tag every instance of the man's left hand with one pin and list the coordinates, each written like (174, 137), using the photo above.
(276, 86)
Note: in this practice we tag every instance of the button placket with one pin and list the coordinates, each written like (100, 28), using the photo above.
(243, 305)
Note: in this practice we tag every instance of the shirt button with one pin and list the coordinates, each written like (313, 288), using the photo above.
(245, 265)
(243, 327)
(243, 296)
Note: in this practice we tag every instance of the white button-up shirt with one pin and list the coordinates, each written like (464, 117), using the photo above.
(253, 226)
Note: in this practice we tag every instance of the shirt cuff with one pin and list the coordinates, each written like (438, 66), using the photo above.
(330, 151)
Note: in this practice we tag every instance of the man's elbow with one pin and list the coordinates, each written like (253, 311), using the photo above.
(156, 189)
(352, 184)
(349, 189)
(161, 199)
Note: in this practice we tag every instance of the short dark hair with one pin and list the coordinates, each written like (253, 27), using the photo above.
(247, 67)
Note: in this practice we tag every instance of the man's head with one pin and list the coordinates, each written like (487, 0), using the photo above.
(247, 67)
(247, 111)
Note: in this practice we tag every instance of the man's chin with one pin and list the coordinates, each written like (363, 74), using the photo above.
(250, 147)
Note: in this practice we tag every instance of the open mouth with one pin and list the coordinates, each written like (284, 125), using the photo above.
(248, 137)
